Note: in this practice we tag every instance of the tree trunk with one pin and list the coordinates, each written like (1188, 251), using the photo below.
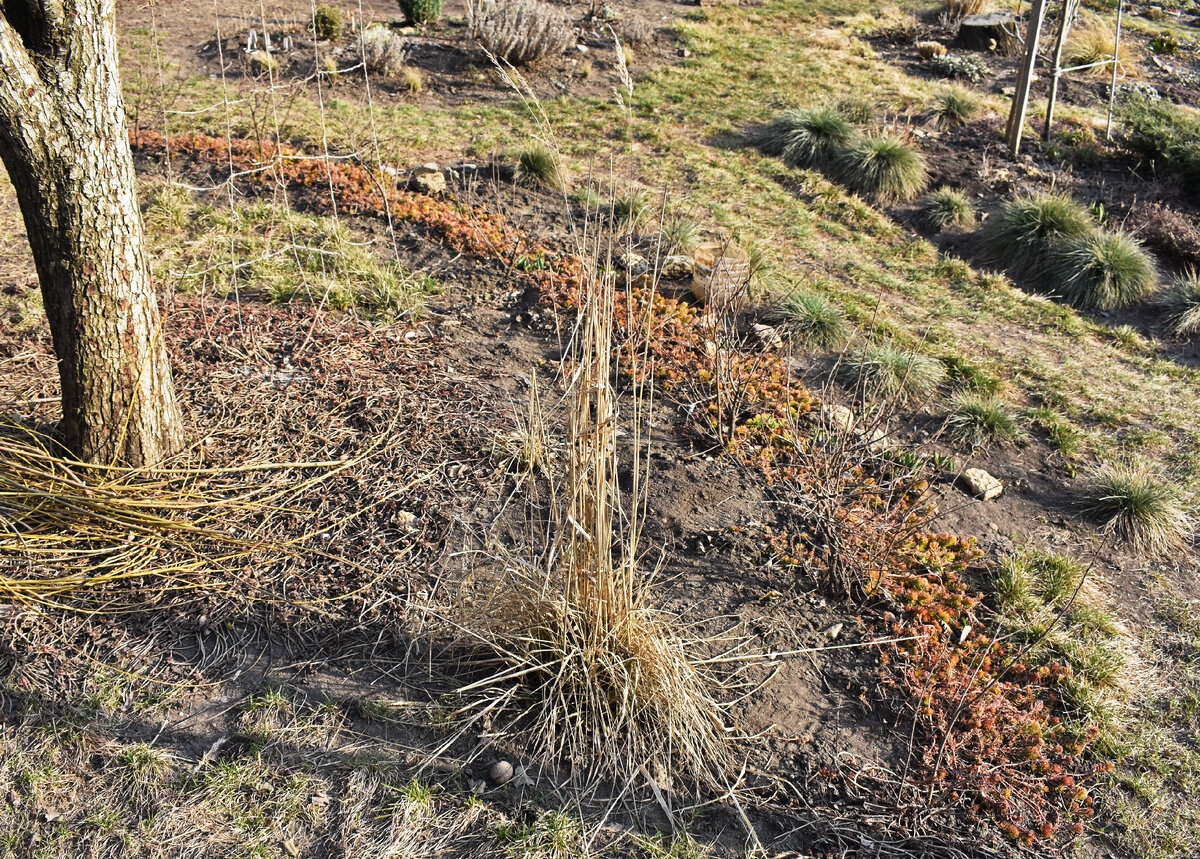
(991, 31)
(64, 141)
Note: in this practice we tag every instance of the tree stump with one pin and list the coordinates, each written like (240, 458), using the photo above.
(991, 31)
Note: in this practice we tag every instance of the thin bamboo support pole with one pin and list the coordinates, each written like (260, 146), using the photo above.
(1112, 88)
(1064, 27)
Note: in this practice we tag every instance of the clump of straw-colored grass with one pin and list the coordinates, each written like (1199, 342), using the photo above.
(606, 681)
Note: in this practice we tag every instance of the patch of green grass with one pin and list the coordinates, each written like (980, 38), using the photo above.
(955, 107)
(980, 420)
(890, 372)
(679, 235)
(1022, 235)
(1135, 502)
(142, 761)
(1044, 600)
(417, 793)
(946, 208)
(1103, 270)
(860, 111)
(971, 377)
(1181, 304)
(1063, 435)
(537, 165)
(277, 254)
(883, 168)
(812, 318)
(554, 835)
(631, 210)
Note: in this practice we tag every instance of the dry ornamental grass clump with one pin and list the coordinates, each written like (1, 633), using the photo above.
(956, 10)
(1095, 42)
(520, 31)
(598, 677)
(384, 53)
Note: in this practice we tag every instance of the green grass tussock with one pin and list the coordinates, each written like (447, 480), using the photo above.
(979, 420)
(679, 235)
(818, 137)
(1022, 235)
(889, 371)
(955, 107)
(812, 319)
(1102, 271)
(883, 169)
(537, 165)
(1140, 506)
(945, 209)
(1182, 304)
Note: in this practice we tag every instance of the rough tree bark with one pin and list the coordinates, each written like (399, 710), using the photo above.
(63, 139)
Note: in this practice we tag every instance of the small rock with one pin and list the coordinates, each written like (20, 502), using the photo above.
(767, 337)
(501, 772)
(633, 263)
(677, 267)
(428, 179)
(981, 484)
(838, 417)
(521, 777)
(833, 631)
(407, 521)
(583, 49)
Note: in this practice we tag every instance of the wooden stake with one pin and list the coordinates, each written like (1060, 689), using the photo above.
(1016, 117)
